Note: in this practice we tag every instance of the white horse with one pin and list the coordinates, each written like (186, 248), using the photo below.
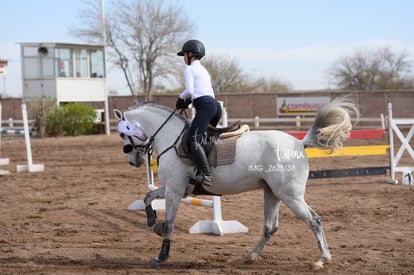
(270, 160)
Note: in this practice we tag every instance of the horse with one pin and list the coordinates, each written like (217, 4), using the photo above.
(282, 157)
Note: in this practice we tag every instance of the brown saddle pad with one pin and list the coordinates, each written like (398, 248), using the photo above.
(222, 152)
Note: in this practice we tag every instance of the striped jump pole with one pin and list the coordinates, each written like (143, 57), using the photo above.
(11, 132)
(3, 161)
(216, 226)
(151, 166)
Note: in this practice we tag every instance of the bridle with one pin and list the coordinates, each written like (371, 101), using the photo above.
(129, 147)
(147, 147)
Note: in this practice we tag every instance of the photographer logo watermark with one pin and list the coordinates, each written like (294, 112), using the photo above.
(287, 154)
(283, 156)
(281, 168)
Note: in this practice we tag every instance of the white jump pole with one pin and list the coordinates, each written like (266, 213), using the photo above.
(3, 161)
(216, 226)
(160, 203)
(392, 180)
(30, 167)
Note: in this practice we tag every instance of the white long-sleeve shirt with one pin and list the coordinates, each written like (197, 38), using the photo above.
(197, 81)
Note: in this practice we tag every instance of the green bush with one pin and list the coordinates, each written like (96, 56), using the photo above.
(71, 119)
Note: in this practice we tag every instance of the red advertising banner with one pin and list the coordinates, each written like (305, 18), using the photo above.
(3, 66)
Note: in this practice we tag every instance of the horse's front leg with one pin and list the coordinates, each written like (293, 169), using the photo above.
(172, 202)
(149, 197)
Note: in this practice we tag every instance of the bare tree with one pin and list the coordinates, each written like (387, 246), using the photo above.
(228, 77)
(378, 69)
(226, 74)
(143, 36)
(270, 84)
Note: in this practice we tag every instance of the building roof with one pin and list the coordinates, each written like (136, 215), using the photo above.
(60, 44)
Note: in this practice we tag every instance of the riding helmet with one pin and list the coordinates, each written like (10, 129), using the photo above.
(194, 46)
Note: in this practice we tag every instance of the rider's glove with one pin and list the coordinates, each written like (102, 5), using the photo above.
(187, 102)
(182, 104)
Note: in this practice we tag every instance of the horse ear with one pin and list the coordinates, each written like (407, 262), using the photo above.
(118, 114)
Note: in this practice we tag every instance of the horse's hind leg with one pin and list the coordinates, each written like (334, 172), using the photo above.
(271, 223)
(303, 211)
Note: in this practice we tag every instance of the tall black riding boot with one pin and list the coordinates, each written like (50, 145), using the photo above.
(204, 174)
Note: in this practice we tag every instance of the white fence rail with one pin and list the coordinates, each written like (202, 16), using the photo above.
(15, 124)
(286, 123)
(298, 122)
(263, 123)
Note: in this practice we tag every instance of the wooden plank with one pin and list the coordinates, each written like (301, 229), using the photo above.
(299, 135)
(350, 172)
(366, 134)
(355, 134)
(348, 151)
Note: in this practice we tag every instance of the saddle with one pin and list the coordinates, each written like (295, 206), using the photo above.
(219, 144)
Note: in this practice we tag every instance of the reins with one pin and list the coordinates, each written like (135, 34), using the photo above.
(148, 146)
(162, 125)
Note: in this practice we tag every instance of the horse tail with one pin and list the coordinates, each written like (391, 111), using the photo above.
(332, 125)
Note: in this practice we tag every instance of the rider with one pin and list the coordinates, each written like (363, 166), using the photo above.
(199, 91)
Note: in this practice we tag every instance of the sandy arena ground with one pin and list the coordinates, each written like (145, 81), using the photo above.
(73, 219)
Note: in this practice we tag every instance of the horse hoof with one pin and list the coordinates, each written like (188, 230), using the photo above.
(321, 263)
(239, 261)
(249, 259)
(154, 263)
(318, 265)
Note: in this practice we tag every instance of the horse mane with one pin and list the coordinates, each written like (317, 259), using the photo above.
(166, 109)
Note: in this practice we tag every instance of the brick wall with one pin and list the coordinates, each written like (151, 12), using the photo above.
(11, 108)
(371, 104)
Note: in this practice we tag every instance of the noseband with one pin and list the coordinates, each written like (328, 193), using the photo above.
(139, 147)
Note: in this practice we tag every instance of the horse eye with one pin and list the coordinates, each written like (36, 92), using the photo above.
(128, 148)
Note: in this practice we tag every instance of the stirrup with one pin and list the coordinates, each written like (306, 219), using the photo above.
(199, 177)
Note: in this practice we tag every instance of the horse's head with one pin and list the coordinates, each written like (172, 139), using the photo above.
(135, 141)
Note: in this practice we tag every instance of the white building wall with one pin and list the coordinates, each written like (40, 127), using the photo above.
(39, 88)
(69, 90)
